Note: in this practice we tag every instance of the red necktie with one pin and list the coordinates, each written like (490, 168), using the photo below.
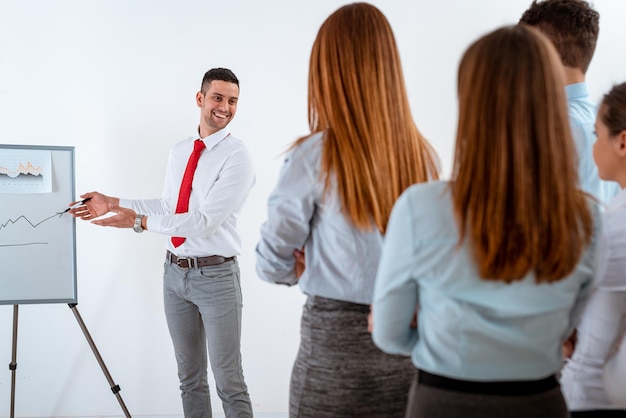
(185, 188)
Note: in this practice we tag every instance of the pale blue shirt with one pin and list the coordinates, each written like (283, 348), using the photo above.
(341, 260)
(468, 328)
(221, 183)
(582, 115)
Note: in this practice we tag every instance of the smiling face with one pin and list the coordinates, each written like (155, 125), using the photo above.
(218, 106)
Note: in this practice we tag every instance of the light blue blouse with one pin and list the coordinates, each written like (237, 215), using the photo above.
(468, 328)
(341, 260)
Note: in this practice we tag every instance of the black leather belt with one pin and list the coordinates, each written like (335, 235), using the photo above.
(507, 388)
(196, 262)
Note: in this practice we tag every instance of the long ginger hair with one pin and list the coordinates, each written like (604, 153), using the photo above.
(515, 186)
(372, 149)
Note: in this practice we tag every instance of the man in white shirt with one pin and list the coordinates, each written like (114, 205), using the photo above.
(202, 293)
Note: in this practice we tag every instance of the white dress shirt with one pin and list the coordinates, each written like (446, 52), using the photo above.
(602, 323)
(222, 181)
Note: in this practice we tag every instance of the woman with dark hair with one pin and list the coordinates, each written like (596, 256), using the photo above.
(332, 203)
(601, 328)
(499, 262)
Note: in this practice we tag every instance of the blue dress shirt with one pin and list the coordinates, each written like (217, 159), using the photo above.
(341, 260)
(582, 114)
(468, 328)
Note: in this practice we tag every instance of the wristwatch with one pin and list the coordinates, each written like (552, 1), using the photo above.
(137, 227)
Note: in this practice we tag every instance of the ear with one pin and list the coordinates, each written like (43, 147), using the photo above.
(199, 98)
(620, 143)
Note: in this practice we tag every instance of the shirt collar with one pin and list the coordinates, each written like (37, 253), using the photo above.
(618, 201)
(213, 139)
(576, 91)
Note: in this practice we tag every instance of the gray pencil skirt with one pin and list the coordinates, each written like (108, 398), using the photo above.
(339, 372)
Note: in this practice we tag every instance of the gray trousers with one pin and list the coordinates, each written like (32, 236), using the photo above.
(203, 310)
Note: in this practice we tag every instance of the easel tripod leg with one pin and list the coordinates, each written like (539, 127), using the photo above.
(115, 388)
(13, 364)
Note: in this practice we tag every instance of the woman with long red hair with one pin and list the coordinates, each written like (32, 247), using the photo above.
(333, 199)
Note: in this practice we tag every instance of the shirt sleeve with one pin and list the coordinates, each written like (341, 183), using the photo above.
(595, 269)
(615, 375)
(396, 289)
(146, 207)
(583, 140)
(611, 250)
(290, 209)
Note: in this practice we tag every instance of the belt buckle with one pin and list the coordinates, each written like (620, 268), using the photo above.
(184, 263)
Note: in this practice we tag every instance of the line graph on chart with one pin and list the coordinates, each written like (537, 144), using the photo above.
(22, 169)
(25, 171)
(20, 227)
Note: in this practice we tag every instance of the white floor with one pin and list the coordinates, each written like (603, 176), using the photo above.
(216, 415)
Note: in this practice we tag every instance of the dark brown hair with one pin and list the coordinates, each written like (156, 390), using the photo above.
(613, 109)
(571, 25)
(222, 74)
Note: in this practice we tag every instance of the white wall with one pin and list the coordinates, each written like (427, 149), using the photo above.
(117, 79)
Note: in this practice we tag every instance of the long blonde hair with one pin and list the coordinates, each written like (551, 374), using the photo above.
(357, 97)
(515, 185)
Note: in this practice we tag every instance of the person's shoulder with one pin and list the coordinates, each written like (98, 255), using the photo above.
(184, 146)
(435, 189)
(307, 145)
(581, 110)
(430, 196)
(307, 151)
(234, 145)
(235, 142)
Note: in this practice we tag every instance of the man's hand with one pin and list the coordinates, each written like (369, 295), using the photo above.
(97, 206)
(125, 218)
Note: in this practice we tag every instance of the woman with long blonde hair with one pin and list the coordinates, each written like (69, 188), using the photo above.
(332, 202)
(500, 260)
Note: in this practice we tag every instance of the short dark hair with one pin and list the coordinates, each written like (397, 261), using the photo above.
(222, 74)
(613, 109)
(571, 25)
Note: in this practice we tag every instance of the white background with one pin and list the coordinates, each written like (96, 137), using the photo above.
(117, 79)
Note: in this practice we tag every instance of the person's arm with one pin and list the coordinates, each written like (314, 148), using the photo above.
(615, 374)
(614, 281)
(396, 289)
(290, 208)
(611, 252)
(125, 209)
(593, 260)
(583, 141)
